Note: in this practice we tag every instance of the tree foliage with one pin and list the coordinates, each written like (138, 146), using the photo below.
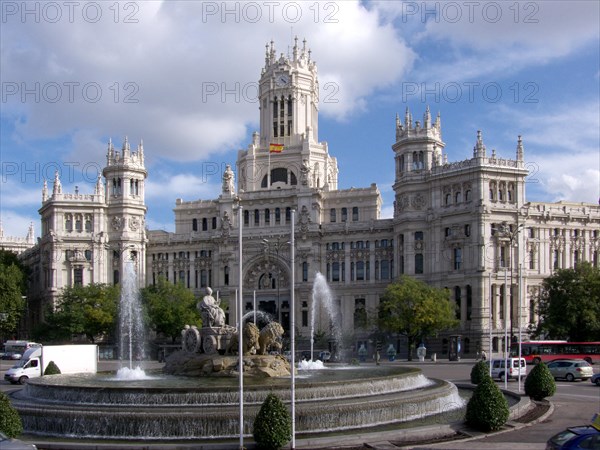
(479, 371)
(487, 409)
(10, 421)
(273, 424)
(52, 369)
(82, 310)
(170, 307)
(13, 279)
(569, 304)
(540, 383)
(416, 310)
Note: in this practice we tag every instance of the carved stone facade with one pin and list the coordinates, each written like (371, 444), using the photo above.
(464, 225)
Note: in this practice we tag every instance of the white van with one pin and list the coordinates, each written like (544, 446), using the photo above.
(499, 372)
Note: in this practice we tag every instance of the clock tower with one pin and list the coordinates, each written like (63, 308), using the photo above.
(289, 97)
(286, 153)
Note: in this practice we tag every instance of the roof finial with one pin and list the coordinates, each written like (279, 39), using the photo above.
(520, 150)
(427, 118)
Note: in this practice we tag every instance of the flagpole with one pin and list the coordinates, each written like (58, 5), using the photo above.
(269, 169)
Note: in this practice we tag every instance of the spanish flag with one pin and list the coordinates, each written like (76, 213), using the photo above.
(275, 148)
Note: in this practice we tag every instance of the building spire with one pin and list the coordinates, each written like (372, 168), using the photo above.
(479, 149)
(45, 191)
(30, 234)
(57, 187)
(427, 118)
(520, 149)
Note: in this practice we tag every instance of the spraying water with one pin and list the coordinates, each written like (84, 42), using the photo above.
(323, 297)
(131, 327)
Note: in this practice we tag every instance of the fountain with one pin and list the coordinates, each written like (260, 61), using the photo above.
(204, 405)
(322, 296)
(131, 330)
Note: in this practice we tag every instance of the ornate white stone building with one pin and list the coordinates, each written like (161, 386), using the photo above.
(465, 225)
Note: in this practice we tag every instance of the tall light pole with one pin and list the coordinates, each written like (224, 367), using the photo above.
(293, 331)
(512, 237)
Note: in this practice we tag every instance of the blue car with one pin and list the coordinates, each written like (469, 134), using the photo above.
(596, 379)
(574, 438)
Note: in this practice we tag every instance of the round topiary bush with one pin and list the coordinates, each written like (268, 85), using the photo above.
(10, 421)
(479, 371)
(487, 409)
(273, 424)
(52, 369)
(540, 384)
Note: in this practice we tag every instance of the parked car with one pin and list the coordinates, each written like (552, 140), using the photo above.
(7, 443)
(585, 436)
(12, 355)
(571, 369)
(513, 371)
(596, 379)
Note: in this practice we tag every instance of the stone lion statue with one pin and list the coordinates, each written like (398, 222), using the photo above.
(250, 342)
(270, 336)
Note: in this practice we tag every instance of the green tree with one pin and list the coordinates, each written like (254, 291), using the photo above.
(569, 304)
(487, 409)
(416, 310)
(273, 424)
(89, 310)
(479, 371)
(540, 383)
(13, 278)
(10, 421)
(170, 307)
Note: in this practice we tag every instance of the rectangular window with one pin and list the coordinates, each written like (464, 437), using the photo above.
(304, 318)
(418, 263)
(344, 214)
(360, 313)
(277, 216)
(457, 258)
(385, 269)
(332, 217)
(304, 271)
(78, 276)
(335, 271)
(256, 217)
(355, 214)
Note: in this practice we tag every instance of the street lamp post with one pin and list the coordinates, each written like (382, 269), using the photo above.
(512, 236)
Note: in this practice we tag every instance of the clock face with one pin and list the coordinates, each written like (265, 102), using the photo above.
(282, 80)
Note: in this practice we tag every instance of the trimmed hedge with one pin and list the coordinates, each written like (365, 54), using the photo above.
(52, 369)
(10, 421)
(540, 383)
(479, 371)
(273, 424)
(487, 409)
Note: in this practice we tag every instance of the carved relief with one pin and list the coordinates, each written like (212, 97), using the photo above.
(419, 201)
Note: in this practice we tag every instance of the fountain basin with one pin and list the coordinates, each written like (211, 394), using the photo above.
(208, 409)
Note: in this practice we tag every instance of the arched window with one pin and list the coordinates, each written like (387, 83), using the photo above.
(448, 199)
(267, 216)
(468, 195)
(355, 214)
(332, 216)
(458, 197)
(194, 224)
(277, 216)
(256, 217)
(246, 217)
(344, 214)
(204, 224)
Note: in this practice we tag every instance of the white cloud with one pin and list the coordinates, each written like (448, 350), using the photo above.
(167, 187)
(17, 225)
(152, 78)
(488, 38)
(565, 160)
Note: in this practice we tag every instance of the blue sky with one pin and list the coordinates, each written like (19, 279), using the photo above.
(76, 74)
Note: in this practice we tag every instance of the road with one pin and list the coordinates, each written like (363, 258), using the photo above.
(574, 404)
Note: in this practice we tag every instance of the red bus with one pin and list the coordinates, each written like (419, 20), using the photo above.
(536, 351)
